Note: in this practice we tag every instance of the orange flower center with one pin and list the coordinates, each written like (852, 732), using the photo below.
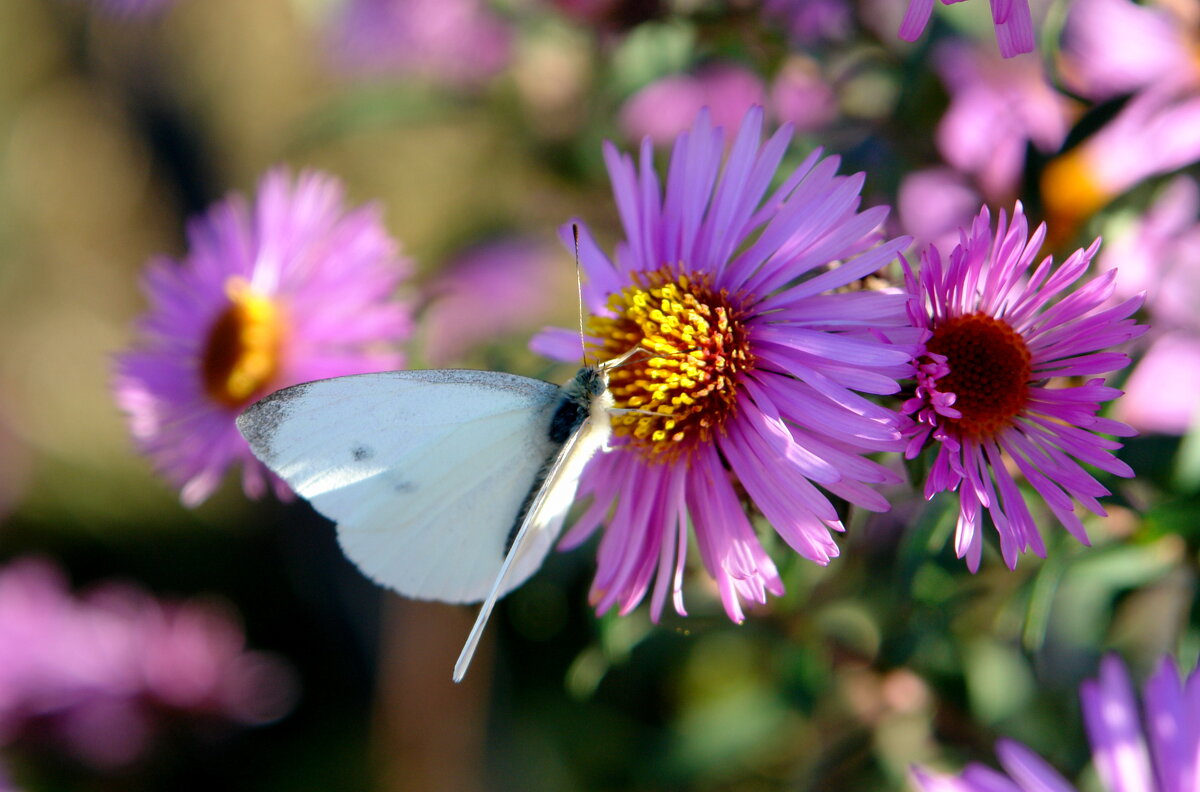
(244, 348)
(699, 348)
(990, 369)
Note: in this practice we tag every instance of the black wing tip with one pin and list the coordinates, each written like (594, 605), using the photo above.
(259, 422)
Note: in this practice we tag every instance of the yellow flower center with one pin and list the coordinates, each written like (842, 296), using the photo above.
(699, 348)
(990, 369)
(243, 351)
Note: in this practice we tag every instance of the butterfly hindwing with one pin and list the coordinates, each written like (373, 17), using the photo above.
(423, 471)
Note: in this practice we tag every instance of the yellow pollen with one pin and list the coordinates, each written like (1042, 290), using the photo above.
(699, 349)
(990, 368)
(243, 351)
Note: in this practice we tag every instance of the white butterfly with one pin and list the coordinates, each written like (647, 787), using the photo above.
(446, 485)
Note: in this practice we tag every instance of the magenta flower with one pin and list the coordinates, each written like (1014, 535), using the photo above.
(1156, 132)
(983, 396)
(753, 365)
(453, 41)
(1013, 21)
(810, 21)
(1114, 47)
(666, 107)
(997, 109)
(290, 289)
(99, 674)
(1157, 752)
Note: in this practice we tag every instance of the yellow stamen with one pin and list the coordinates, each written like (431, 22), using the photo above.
(699, 350)
(243, 351)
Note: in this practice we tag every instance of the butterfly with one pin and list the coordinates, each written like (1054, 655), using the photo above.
(446, 485)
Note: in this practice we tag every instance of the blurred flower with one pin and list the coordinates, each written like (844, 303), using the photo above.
(487, 292)
(1159, 755)
(1155, 133)
(288, 290)
(1158, 253)
(982, 385)
(810, 21)
(665, 108)
(1114, 47)
(997, 108)
(934, 204)
(454, 41)
(801, 97)
(1013, 21)
(97, 675)
(752, 364)
(131, 8)
(1160, 395)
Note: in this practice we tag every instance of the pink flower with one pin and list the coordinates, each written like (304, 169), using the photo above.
(997, 108)
(667, 107)
(753, 367)
(998, 333)
(1114, 47)
(1155, 133)
(1154, 752)
(454, 41)
(1012, 18)
(98, 673)
(290, 289)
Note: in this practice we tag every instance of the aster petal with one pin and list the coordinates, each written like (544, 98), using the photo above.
(1031, 772)
(1111, 717)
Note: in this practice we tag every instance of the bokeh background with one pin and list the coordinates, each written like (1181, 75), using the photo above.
(478, 135)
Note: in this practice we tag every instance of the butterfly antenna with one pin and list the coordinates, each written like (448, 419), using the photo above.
(579, 291)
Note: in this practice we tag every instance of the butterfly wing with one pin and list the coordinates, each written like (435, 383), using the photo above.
(423, 471)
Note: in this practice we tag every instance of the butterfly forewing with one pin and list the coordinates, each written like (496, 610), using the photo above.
(423, 471)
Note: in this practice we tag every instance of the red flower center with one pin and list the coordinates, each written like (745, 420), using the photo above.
(990, 369)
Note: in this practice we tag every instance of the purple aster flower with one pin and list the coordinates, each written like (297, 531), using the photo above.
(667, 107)
(933, 204)
(454, 41)
(801, 96)
(1155, 133)
(1157, 752)
(1160, 394)
(997, 108)
(97, 674)
(810, 21)
(488, 292)
(1114, 47)
(753, 366)
(290, 289)
(1012, 18)
(983, 396)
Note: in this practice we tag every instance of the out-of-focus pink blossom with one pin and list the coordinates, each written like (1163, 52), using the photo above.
(810, 21)
(801, 96)
(96, 674)
(1113, 47)
(997, 108)
(934, 204)
(1161, 394)
(1155, 133)
(452, 41)
(668, 106)
(489, 291)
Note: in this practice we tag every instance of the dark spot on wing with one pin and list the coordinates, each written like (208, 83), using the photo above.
(403, 487)
(362, 453)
